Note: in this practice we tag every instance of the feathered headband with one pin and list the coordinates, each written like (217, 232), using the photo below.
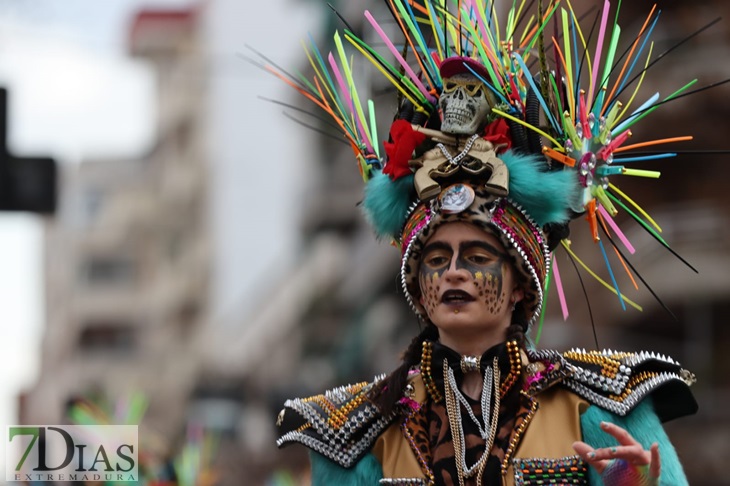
(543, 111)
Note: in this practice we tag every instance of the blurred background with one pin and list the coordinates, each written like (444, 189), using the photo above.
(175, 250)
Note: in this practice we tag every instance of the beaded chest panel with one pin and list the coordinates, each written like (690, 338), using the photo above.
(564, 471)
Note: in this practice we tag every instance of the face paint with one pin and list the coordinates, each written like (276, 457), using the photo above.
(485, 263)
(488, 266)
(465, 271)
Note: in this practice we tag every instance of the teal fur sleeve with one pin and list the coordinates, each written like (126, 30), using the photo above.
(367, 472)
(644, 426)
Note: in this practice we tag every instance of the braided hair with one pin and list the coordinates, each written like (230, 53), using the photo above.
(387, 393)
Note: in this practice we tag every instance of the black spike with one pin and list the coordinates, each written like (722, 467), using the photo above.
(324, 120)
(588, 301)
(638, 274)
(523, 17)
(661, 56)
(618, 61)
(262, 56)
(681, 152)
(315, 129)
(340, 17)
(662, 243)
(698, 90)
(583, 57)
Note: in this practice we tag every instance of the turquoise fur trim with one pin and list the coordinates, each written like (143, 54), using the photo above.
(545, 196)
(643, 424)
(386, 203)
(367, 472)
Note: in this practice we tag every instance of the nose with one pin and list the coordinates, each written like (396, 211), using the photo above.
(454, 273)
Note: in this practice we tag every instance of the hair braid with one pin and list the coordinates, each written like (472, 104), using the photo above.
(390, 390)
(516, 331)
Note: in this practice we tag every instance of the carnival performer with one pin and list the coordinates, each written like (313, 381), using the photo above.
(477, 195)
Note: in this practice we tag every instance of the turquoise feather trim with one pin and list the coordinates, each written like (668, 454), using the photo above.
(386, 203)
(367, 472)
(644, 426)
(545, 196)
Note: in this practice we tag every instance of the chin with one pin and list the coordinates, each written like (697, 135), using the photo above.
(465, 320)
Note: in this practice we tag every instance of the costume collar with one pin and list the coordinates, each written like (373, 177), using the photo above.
(435, 355)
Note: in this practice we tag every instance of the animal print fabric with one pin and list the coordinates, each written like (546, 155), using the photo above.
(442, 446)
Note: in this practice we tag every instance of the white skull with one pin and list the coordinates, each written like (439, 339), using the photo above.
(464, 104)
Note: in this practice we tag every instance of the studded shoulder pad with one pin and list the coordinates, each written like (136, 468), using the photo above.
(618, 381)
(341, 424)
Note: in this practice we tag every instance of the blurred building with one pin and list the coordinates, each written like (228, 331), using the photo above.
(127, 257)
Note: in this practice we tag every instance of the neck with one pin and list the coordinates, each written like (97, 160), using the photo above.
(472, 384)
(470, 345)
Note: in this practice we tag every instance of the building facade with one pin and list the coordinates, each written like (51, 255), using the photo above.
(127, 257)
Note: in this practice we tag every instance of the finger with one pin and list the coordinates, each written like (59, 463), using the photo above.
(655, 468)
(620, 434)
(633, 454)
(588, 454)
(582, 448)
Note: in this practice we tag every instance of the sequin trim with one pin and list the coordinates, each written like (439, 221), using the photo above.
(619, 381)
(340, 424)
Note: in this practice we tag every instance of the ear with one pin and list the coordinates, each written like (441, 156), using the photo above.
(518, 293)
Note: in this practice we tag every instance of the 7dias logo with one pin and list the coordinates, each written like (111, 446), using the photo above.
(71, 453)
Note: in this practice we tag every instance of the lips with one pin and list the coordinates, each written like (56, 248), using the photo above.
(456, 297)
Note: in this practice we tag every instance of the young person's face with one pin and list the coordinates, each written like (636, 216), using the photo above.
(467, 281)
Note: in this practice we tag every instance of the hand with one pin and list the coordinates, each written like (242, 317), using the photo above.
(644, 467)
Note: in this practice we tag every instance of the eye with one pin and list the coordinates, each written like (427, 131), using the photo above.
(479, 259)
(449, 86)
(436, 260)
(474, 89)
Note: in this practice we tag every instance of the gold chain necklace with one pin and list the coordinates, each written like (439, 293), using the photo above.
(453, 410)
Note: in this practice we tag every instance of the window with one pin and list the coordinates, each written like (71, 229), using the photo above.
(109, 270)
(108, 337)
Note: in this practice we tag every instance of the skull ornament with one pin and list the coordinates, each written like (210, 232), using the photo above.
(464, 104)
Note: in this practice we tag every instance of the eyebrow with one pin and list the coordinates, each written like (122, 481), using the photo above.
(437, 245)
(465, 245)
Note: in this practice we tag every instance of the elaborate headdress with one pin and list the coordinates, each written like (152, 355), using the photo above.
(497, 129)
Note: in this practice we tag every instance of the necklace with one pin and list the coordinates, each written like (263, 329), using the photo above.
(490, 413)
(455, 159)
